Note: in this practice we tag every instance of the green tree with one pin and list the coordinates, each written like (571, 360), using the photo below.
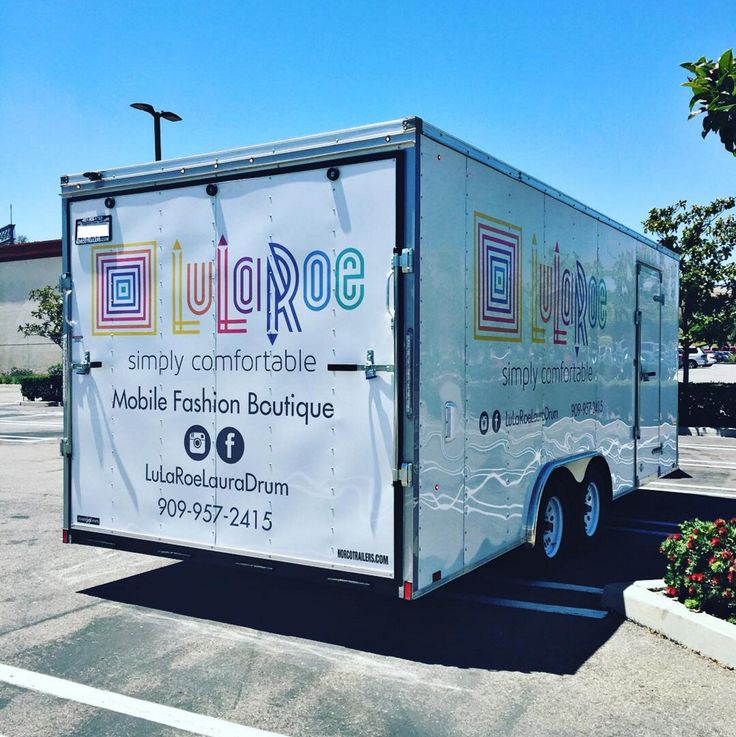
(713, 95)
(705, 237)
(48, 312)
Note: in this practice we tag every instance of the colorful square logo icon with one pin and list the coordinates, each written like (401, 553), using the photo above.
(497, 279)
(124, 289)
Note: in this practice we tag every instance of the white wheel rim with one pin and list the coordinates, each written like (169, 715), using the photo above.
(552, 522)
(592, 508)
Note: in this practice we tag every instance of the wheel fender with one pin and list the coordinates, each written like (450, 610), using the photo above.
(576, 464)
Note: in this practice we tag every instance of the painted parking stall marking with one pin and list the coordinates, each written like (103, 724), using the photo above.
(148, 710)
(30, 427)
(523, 604)
(550, 597)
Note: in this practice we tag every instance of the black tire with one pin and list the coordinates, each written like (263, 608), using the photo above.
(552, 537)
(692, 364)
(591, 506)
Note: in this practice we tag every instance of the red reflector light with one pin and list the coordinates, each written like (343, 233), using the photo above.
(407, 590)
(436, 576)
(65, 536)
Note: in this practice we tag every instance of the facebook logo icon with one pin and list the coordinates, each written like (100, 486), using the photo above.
(230, 445)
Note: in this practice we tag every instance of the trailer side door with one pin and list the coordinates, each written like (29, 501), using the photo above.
(649, 363)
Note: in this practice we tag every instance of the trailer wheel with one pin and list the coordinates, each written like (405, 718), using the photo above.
(591, 507)
(552, 523)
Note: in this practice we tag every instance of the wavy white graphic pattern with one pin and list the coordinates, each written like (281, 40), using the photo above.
(497, 473)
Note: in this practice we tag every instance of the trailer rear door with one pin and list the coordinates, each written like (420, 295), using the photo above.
(204, 320)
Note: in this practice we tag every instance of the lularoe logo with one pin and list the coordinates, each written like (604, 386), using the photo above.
(236, 287)
(566, 302)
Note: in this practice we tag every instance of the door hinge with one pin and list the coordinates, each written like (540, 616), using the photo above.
(404, 260)
(659, 298)
(636, 433)
(65, 282)
(637, 317)
(405, 474)
(65, 447)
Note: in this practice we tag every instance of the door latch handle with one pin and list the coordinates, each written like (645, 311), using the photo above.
(450, 421)
(645, 375)
(370, 368)
(83, 367)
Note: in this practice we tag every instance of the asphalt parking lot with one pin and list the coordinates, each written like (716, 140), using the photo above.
(502, 651)
(725, 372)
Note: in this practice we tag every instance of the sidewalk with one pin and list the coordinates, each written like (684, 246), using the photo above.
(10, 394)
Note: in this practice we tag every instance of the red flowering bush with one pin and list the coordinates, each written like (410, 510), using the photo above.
(701, 566)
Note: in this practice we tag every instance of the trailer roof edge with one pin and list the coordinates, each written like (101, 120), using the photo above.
(440, 136)
(377, 137)
(392, 134)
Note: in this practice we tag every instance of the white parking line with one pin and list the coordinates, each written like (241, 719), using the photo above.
(637, 530)
(32, 423)
(675, 485)
(706, 464)
(561, 585)
(638, 521)
(570, 611)
(28, 439)
(138, 708)
(714, 491)
(725, 446)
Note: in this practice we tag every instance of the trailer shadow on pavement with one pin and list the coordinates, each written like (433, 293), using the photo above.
(432, 630)
(460, 625)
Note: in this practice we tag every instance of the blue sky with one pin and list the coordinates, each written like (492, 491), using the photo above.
(585, 96)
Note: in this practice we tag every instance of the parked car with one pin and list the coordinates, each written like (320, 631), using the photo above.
(698, 358)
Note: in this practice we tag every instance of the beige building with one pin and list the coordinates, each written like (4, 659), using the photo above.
(26, 266)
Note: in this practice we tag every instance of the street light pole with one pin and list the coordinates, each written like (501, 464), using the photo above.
(157, 134)
(157, 115)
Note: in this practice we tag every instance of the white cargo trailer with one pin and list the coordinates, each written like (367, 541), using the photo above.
(377, 356)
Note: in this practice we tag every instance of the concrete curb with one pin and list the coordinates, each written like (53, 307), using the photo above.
(644, 603)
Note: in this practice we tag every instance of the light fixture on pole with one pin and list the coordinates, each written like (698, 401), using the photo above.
(157, 115)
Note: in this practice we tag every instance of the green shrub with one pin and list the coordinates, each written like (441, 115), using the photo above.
(56, 370)
(701, 566)
(708, 405)
(15, 375)
(46, 388)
